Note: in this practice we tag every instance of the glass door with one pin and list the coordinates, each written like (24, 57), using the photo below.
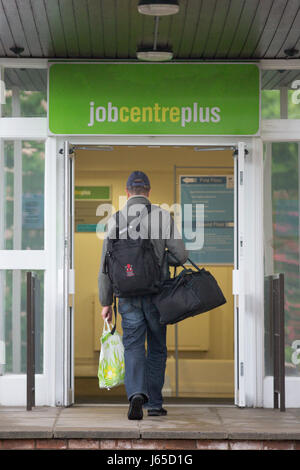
(282, 255)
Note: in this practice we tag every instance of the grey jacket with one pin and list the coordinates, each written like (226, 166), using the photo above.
(163, 233)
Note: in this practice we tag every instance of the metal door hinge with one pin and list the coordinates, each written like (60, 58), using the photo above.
(236, 152)
(242, 369)
(71, 151)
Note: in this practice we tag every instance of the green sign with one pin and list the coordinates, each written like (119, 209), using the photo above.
(154, 99)
(92, 192)
(90, 227)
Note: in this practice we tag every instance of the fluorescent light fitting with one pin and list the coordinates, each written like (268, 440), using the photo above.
(103, 148)
(155, 56)
(158, 7)
(208, 149)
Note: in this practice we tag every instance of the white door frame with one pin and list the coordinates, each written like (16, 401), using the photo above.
(253, 355)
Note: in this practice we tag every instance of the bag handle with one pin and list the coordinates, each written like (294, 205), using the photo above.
(194, 264)
(189, 259)
(106, 327)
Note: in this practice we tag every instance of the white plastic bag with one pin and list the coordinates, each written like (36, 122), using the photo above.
(111, 370)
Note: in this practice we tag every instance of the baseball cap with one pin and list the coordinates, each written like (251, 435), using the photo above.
(138, 178)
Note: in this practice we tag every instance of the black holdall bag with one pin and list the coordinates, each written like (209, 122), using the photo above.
(131, 264)
(188, 294)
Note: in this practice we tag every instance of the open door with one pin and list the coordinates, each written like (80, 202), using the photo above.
(239, 274)
(68, 274)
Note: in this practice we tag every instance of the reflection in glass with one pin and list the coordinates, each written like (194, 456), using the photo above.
(280, 82)
(281, 226)
(26, 93)
(24, 168)
(13, 316)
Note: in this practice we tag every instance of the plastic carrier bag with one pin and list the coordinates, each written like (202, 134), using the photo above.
(111, 370)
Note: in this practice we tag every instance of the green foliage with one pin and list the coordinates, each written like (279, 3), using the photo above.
(270, 104)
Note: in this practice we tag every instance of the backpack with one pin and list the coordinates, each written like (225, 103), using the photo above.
(131, 264)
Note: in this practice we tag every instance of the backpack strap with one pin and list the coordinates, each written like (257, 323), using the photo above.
(148, 207)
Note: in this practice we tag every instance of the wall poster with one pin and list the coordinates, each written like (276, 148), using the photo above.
(212, 196)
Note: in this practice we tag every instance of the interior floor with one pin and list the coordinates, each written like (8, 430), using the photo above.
(98, 400)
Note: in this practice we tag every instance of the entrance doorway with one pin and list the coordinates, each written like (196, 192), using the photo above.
(200, 364)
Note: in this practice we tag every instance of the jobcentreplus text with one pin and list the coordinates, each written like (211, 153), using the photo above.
(156, 113)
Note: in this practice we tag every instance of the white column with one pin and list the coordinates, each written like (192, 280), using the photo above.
(50, 280)
(255, 301)
(17, 240)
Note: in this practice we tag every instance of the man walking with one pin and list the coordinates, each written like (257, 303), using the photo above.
(144, 373)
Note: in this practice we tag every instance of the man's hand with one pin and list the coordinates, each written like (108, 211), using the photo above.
(107, 313)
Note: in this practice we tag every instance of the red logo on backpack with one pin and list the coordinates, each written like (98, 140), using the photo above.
(129, 270)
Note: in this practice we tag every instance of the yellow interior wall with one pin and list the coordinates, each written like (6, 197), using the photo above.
(206, 357)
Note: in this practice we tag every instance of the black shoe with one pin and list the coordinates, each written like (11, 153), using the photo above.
(136, 407)
(157, 412)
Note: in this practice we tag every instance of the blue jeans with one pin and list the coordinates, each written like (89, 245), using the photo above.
(144, 374)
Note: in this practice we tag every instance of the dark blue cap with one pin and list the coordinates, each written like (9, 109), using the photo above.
(138, 178)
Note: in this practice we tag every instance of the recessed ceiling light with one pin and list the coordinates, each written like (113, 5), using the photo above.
(158, 7)
(155, 56)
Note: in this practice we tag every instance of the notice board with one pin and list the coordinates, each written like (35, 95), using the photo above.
(215, 194)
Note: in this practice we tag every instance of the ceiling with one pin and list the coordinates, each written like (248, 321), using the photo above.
(113, 29)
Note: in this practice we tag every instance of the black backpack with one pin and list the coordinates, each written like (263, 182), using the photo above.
(132, 265)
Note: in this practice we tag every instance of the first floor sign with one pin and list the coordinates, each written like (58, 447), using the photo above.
(215, 195)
